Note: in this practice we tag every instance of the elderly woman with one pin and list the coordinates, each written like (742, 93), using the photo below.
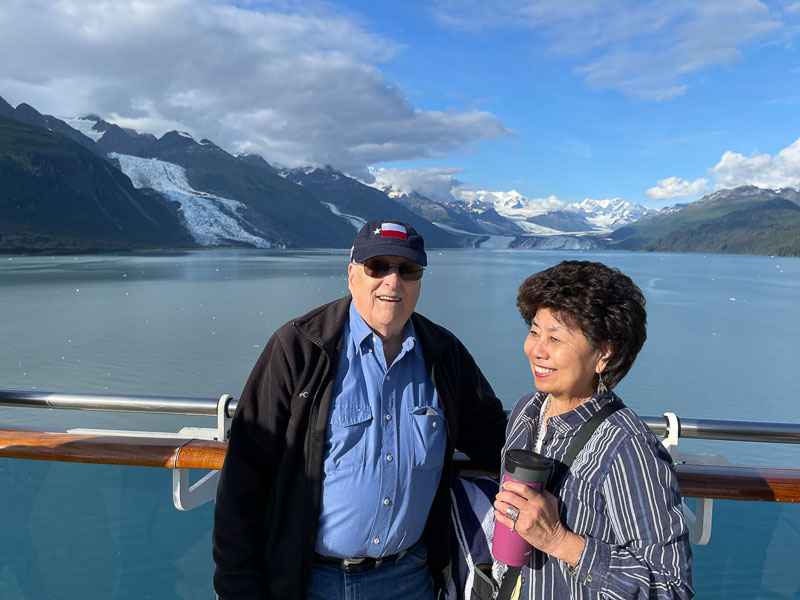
(615, 527)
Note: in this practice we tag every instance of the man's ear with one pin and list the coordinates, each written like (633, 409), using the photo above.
(351, 272)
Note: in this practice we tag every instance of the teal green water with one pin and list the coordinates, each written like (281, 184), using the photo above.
(724, 342)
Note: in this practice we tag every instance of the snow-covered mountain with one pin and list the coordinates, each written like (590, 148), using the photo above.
(513, 214)
(222, 199)
(608, 215)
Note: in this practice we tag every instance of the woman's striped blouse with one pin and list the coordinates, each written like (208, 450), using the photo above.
(621, 495)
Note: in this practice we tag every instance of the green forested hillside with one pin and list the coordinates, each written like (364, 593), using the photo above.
(771, 228)
(56, 195)
(744, 220)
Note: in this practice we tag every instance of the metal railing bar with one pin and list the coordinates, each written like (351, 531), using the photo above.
(740, 431)
(712, 429)
(109, 402)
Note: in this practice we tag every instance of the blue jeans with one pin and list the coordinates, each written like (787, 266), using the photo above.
(405, 579)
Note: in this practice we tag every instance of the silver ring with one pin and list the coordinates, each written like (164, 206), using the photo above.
(512, 512)
(513, 524)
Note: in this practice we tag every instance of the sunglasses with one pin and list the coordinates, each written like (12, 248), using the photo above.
(379, 268)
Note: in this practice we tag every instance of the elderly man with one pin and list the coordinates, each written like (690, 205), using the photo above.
(336, 481)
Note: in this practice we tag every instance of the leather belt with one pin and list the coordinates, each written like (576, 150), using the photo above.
(357, 565)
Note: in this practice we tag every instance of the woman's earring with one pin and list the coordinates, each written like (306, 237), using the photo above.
(601, 387)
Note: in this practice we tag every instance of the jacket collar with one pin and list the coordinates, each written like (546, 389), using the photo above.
(325, 327)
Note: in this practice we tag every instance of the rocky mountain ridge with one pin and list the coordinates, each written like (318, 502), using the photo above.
(203, 195)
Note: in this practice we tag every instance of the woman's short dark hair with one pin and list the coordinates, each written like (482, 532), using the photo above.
(600, 301)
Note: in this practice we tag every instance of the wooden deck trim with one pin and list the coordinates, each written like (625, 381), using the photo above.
(168, 453)
(767, 484)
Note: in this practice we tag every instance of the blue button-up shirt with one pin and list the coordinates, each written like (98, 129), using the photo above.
(384, 448)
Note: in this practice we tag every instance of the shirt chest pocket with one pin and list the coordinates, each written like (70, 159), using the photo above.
(430, 437)
(585, 508)
(350, 421)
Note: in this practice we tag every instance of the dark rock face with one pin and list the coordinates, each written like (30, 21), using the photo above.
(57, 195)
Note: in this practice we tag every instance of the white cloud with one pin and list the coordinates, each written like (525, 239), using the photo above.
(644, 49)
(441, 185)
(761, 170)
(675, 187)
(436, 183)
(296, 87)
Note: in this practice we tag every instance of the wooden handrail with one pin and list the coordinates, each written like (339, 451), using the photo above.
(727, 482)
(170, 453)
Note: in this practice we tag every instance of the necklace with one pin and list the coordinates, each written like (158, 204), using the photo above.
(542, 420)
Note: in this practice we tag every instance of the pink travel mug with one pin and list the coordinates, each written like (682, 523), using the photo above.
(532, 469)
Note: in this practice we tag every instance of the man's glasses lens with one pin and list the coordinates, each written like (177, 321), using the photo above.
(376, 267)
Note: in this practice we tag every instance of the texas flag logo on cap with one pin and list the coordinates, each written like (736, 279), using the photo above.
(393, 230)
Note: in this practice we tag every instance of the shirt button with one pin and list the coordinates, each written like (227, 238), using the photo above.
(435, 424)
(386, 502)
(388, 378)
(389, 457)
(388, 417)
(588, 578)
(376, 541)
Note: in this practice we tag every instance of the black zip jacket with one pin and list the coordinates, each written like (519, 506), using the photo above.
(268, 499)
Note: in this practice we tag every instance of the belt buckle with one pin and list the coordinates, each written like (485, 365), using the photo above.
(349, 563)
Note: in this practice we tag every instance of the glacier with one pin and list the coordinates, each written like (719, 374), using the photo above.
(354, 220)
(211, 220)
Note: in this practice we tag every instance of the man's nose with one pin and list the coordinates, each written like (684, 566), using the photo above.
(393, 276)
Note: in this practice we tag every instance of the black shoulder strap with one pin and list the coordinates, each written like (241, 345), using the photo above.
(511, 575)
(584, 434)
(508, 583)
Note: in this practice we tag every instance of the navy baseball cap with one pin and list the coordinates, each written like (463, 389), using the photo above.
(388, 238)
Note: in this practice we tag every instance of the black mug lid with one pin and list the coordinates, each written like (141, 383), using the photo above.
(528, 466)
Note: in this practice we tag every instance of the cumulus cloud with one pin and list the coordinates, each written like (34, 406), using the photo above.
(643, 49)
(295, 86)
(436, 183)
(441, 185)
(760, 170)
(675, 187)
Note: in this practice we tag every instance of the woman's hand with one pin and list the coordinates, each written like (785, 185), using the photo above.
(538, 522)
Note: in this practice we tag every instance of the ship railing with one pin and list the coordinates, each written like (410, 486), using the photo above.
(702, 476)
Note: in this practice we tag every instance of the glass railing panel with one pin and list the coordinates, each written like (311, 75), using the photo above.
(752, 554)
(99, 531)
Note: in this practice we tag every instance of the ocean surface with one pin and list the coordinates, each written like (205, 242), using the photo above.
(723, 342)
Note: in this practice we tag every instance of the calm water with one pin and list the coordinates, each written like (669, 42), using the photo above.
(724, 342)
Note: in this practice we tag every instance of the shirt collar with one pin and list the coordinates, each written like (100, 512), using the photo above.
(362, 335)
(573, 419)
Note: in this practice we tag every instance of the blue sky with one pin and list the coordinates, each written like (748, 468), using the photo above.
(652, 102)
